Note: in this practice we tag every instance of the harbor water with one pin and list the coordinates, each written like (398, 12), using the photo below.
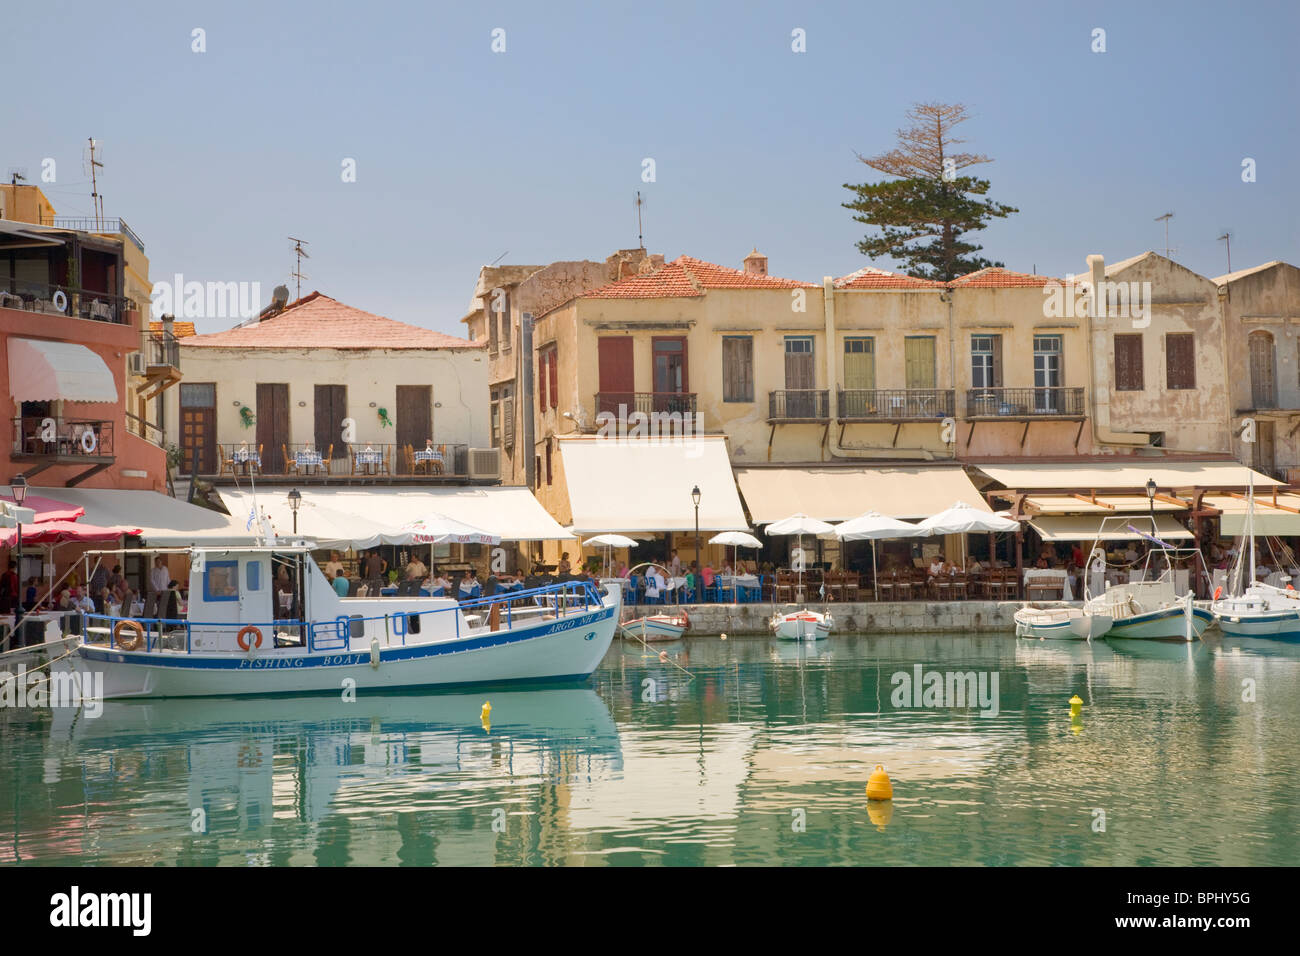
(716, 752)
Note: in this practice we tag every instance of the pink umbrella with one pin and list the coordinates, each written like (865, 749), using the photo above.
(47, 509)
(57, 532)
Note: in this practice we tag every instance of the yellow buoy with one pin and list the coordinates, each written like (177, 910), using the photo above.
(1075, 704)
(880, 812)
(487, 710)
(878, 785)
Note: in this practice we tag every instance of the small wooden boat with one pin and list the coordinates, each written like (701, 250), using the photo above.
(656, 627)
(801, 625)
(1060, 623)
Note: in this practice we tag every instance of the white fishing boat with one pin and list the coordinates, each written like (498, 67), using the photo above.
(801, 624)
(656, 627)
(1060, 623)
(1149, 607)
(233, 640)
(1259, 609)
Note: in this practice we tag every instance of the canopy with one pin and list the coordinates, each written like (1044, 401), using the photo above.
(798, 524)
(837, 493)
(645, 484)
(47, 509)
(1084, 528)
(41, 371)
(736, 539)
(1283, 520)
(162, 521)
(962, 518)
(439, 529)
(55, 532)
(873, 526)
(1098, 475)
(612, 541)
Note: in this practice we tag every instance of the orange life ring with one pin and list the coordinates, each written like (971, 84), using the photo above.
(1218, 591)
(243, 644)
(133, 642)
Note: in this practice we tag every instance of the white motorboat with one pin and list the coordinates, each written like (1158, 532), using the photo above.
(1060, 623)
(656, 627)
(1259, 609)
(801, 624)
(231, 641)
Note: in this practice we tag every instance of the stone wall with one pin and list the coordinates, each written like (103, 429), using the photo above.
(898, 617)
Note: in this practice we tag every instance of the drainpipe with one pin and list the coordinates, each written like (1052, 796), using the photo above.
(833, 385)
(1101, 433)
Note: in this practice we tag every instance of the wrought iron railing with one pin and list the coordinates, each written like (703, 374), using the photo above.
(799, 404)
(623, 404)
(1024, 402)
(101, 226)
(884, 404)
(47, 436)
(64, 300)
(164, 349)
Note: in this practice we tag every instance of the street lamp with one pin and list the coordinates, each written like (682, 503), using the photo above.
(695, 497)
(295, 501)
(1151, 501)
(18, 488)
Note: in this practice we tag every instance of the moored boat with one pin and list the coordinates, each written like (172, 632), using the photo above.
(1061, 623)
(656, 627)
(1260, 609)
(231, 642)
(801, 624)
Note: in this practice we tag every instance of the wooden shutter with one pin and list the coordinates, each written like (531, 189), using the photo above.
(918, 356)
(1128, 363)
(997, 361)
(272, 424)
(331, 408)
(414, 423)
(542, 379)
(1263, 386)
(799, 372)
(508, 417)
(859, 363)
(737, 368)
(616, 374)
(555, 378)
(1180, 360)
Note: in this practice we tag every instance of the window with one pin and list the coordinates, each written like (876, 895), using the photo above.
(986, 361)
(737, 368)
(1128, 363)
(253, 575)
(918, 360)
(221, 581)
(799, 373)
(508, 416)
(537, 469)
(548, 378)
(860, 363)
(1180, 360)
(501, 320)
(495, 417)
(1263, 382)
(548, 460)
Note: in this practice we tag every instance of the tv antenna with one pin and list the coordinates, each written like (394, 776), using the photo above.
(301, 253)
(640, 239)
(1165, 219)
(92, 166)
(17, 174)
(1226, 238)
(498, 258)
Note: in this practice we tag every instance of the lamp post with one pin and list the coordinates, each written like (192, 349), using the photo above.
(18, 488)
(695, 497)
(295, 501)
(1151, 502)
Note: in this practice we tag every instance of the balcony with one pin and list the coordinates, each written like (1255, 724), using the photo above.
(340, 463)
(100, 227)
(1021, 404)
(65, 300)
(159, 363)
(46, 441)
(622, 404)
(795, 405)
(896, 404)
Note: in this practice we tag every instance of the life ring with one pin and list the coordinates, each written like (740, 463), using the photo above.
(1218, 591)
(131, 642)
(243, 644)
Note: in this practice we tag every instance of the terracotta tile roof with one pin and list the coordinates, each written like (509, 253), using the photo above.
(996, 277)
(317, 321)
(182, 330)
(872, 278)
(685, 277)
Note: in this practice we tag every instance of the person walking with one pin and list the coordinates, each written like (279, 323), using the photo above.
(158, 578)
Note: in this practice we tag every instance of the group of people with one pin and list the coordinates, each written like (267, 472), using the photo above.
(107, 592)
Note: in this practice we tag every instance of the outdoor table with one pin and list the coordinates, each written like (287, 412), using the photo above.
(429, 458)
(308, 460)
(1051, 578)
(369, 460)
(388, 592)
(247, 459)
(737, 583)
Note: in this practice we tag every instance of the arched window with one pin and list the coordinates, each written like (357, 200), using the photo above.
(1263, 365)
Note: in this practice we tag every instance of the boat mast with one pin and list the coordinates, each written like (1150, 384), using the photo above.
(1250, 522)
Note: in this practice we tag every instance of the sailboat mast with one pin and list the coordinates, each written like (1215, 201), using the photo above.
(1250, 522)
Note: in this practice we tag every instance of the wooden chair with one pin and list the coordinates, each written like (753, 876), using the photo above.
(785, 585)
(325, 460)
(851, 583)
(960, 587)
(408, 458)
(886, 586)
(290, 462)
(942, 588)
(903, 587)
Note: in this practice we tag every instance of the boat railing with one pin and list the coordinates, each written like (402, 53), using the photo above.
(562, 598)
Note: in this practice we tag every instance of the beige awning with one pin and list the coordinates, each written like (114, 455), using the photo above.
(837, 493)
(41, 371)
(1104, 505)
(1268, 520)
(1127, 475)
(163, 521)
(644, 484)
(1085, 527)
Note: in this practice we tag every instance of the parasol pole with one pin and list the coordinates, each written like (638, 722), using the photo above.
(875, 575)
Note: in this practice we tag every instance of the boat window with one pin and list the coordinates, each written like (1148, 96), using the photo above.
(221, 581)
(253, 575)
(357, 625)
(413, 624)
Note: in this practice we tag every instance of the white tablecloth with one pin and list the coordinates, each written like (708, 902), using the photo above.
(1052, 578)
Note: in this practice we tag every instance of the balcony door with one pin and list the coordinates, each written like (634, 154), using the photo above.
(1263, 370)
(199, 427)
(331, 408)
(1048, 376)
(273, 425)
(414, 419)
(670, 374)
(617, 378)
(800, 377)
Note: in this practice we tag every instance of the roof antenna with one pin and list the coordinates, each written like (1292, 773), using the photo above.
(640, 239)
(96, 200)
(1165, 219)
(498, 258)
(301, 253)
(1226, 238)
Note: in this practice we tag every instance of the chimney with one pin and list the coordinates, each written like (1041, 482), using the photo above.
(1097, 278)
(756, 264)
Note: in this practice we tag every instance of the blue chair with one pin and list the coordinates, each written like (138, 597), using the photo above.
(634, 589)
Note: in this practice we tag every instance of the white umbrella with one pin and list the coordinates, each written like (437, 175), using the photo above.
(873, 526)
(609, 542)
(439, 529)
(962, 518)
(799, 524)
(735, 540)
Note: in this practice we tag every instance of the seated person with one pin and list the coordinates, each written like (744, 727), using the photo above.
(708, 574)
(937, 565)
(441, 582)
(341, 583)
(654, 583)
(415, 570)
(469, 583)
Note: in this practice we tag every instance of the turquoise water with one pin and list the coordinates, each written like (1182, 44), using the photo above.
(761, 758)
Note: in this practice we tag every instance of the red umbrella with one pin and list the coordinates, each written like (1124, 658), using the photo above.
(56, 532)
(47, 509)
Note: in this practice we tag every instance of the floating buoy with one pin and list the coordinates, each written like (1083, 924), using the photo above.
(724, 636)
(487, 711)
(1075, 705)
(878, 785)
(663, 657)
(1218, 592)
(374, 653)
(880, 812)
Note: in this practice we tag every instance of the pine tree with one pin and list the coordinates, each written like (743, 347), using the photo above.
(924, 211)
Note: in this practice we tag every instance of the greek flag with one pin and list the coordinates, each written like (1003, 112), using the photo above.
(252, 516)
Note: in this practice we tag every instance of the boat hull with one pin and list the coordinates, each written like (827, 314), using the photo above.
(1163, 624)
(566, 649)
(802, 626)
(656, 628)
(1278, 625)
(1063, 624)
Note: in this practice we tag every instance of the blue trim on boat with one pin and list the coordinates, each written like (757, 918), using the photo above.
(342, 659)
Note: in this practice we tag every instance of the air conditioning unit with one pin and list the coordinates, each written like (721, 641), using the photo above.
(135, 364)
(485, 463)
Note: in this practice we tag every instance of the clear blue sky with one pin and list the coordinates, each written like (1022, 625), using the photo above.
(464, 154)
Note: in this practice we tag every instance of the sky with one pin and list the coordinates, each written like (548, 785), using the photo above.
(466, 156)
